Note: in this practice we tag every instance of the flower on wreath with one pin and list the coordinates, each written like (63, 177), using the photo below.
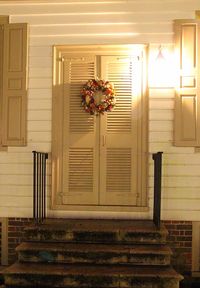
(93, 89)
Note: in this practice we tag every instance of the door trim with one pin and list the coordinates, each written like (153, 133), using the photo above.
(59, 53)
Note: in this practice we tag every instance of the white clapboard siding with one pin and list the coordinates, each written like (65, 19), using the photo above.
(178, 170)
(39, 93)
(107, 38)
(165, 94)
(38, 72)
(97, 7)
(17, 201)
(181, 204)
(102, 19)
(17, 179)
(162, 136)
(182, 159)
(17, 211)
(40, 83)
(16, 157)
(161, 114)
(13, 190)
(167, 147)
(164, 104)
(44, 104)
(43, 147)
(178, 181)
(39, 126)
(17, 169)
(39, 115)
(39, 136)
(177, 193)
(158, 125)
(179, 158)
(109, 28)
(37, 51)
(19, 190)
(93, 22)
(38, 62)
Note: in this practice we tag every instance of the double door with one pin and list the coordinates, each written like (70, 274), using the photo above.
(101, 154)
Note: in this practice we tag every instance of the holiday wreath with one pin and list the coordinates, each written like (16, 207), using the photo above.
(98, 96)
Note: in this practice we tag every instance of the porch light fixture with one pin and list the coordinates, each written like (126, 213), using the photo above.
(160, 56)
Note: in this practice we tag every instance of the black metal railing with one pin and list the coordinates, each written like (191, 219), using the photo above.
(157, 157)
(39, 185)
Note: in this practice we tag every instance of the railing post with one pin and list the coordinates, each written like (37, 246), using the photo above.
(39, 185)
(157, 157)
(44, 204)
(34, 184)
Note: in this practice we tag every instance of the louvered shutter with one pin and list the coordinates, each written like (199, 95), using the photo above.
(80, 169)
(15, 84)
(187, 101)
(118, 158)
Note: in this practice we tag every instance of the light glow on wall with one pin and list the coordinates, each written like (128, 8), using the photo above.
(162, 67)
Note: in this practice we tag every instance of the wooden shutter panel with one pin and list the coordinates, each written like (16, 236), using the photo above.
(1, 79)
(15, 85)
(119, 134)
(4, 20)
(80, 168)
(187, 101)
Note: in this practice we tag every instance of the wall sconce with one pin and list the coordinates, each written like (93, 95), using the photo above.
(161, 68)
(160, 56)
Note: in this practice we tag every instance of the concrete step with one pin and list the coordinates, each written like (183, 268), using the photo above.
(91, 276)
(94, 253)
(97, 231)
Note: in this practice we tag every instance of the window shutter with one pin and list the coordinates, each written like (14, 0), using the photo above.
(15, 85)
(4, 20)
(119, 134)
(80, 168)
(187, 99)
(1, 80)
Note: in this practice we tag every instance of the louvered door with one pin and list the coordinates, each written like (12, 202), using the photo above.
(118, 147)
(80, 140)
(101, 163)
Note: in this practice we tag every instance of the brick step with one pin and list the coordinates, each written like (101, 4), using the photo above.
(97, 231)
(68, 276)
(94, 253)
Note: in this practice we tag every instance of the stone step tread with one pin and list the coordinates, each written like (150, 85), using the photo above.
(96, 248)
(91, 270)
(100, 225)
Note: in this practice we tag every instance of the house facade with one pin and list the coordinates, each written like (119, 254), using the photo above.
(86, 38)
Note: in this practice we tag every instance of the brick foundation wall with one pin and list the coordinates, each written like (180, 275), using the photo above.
(15, 235)
(180, 241)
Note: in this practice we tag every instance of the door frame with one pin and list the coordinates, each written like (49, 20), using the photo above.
(59, 53)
